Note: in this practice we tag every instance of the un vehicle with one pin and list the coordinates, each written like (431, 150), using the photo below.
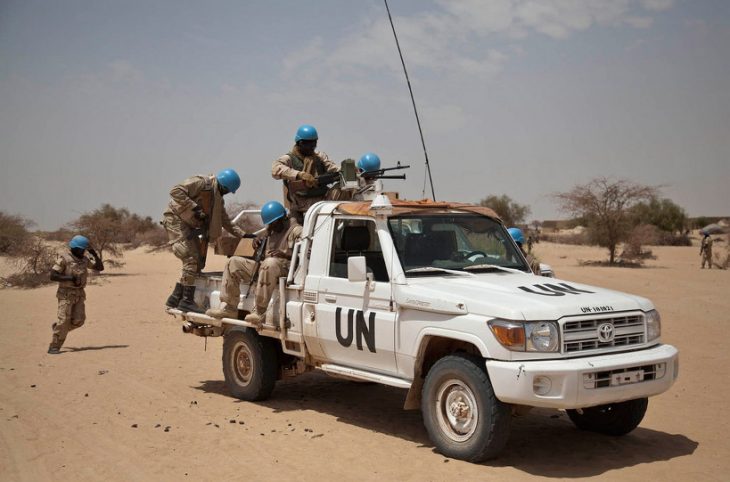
(435, 298)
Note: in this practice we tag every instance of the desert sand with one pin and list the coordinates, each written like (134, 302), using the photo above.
(133, 398)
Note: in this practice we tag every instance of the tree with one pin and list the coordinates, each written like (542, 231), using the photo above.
(106, 229)
(605, 205)
(13, 233)
(663, 214)
(511, 212)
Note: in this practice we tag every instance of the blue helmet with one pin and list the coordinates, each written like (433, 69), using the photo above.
(228, 178)
(272, 211)
(369, 162)
(306, 133)
(79, 241)
(517, 235)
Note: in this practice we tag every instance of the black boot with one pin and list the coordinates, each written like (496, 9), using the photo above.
(188, 302)
(174, 299)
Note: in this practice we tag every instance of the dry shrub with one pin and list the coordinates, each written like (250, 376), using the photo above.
(156, 239)
(13, 233)
(34, 265)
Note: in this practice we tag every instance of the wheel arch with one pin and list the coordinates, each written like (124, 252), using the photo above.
(432, 346)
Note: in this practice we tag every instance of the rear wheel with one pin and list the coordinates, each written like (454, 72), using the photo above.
(462, 415)
(249, 365)
(612, 419)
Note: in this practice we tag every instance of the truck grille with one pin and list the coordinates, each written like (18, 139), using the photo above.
(583, 335)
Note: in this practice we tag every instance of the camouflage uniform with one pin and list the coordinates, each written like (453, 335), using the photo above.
(706, 252)
(289, 165)
(275, 264)
(534, 263)
(71, 297)
(180, 222)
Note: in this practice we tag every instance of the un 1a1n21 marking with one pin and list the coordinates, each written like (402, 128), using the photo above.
(596, 309)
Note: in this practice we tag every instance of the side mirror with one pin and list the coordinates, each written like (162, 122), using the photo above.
(357, 270)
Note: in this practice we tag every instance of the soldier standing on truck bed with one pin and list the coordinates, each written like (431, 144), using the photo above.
(305, 164)
(706, 250)
(281, 234)
(71, 270)
(195, 215)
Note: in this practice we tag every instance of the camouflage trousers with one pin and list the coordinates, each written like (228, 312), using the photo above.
(707, 258)
(71, 314)
(184, 247)
(241, 270)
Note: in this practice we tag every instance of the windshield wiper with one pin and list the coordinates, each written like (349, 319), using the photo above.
(432, 269)
(492, 266)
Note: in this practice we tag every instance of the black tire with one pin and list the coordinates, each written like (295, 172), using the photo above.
(250, 365)
(479, 431)
(612, 419)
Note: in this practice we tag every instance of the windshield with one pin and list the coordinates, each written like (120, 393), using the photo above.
(458, 242)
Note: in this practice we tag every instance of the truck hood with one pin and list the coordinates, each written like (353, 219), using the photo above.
(513, 296)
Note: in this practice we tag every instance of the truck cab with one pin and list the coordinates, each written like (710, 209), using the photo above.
(437, 299)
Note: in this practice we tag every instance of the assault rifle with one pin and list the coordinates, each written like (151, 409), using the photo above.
(323, 180)
(259, 256)
(380, 173)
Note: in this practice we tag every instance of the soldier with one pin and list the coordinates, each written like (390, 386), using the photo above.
(71, 270)
(519, 238)
(706, 250)
(281, 234)
(197, 207)
(305, 164)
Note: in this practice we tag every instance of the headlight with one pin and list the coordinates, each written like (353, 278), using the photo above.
(653, 325)
(541, 336)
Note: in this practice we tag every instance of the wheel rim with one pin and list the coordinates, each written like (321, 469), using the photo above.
(242, 363)
(456, 410)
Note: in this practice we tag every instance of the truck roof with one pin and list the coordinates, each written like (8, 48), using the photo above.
(402, 206)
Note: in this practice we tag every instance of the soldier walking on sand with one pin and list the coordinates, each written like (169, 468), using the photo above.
(706, 250)
(281, 234)
(197, 208)
(303, 163)
(70, 270)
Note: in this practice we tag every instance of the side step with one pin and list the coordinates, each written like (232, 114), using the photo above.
(203, 319)
(356, 374)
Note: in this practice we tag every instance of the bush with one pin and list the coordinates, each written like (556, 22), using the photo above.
(13, 233)
(35, 262)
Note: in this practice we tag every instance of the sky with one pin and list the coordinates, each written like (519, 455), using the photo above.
(116, 101)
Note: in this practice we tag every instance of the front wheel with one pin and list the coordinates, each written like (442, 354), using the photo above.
(249, 365)
(463, 417)
(612, 419)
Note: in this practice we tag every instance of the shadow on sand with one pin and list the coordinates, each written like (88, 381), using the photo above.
(71, 349)
(543, 442)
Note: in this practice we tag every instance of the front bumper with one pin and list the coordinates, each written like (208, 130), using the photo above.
(574, 382)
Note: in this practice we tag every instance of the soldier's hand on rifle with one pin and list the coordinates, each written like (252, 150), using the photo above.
(256, 242)
(92, 252)
(76, 280)
(250, 236)
(308, 179)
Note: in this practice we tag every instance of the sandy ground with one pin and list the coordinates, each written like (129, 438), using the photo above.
(131, 397)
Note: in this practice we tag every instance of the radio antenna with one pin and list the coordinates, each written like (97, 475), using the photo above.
(415, 111)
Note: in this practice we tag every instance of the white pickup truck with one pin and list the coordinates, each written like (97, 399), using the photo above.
(436, 298)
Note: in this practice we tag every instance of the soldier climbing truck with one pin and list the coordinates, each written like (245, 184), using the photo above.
(436, 298)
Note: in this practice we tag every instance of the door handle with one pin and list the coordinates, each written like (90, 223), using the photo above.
(330, 298)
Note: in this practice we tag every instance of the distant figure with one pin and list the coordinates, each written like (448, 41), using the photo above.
(706, 251)
(303, 163)
(281, 234)
(71, 270)
(196, 208)
(519, 238)
(529, 243)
